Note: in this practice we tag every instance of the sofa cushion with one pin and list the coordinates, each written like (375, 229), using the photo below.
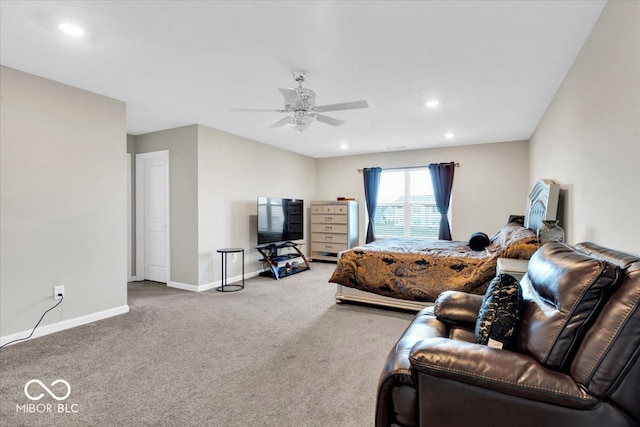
(499, 315)
(563, 290)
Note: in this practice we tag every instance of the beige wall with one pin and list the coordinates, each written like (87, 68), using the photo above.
(490, 184)
(62, 202)
(182, 144)
(216, 178)
(232, 172)
(589, 138)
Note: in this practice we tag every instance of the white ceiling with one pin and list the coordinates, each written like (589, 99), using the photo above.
(494, 65)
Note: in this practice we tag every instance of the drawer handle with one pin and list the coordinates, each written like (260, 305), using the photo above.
(328, 228)
(329, 218)
(328, 246)
(328, 237)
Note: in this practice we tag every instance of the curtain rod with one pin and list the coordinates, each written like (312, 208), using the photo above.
(409, 167)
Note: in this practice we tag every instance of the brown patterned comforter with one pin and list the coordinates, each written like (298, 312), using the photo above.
(421, 269)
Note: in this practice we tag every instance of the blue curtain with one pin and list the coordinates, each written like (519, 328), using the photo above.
(442, 179)
(371, 178)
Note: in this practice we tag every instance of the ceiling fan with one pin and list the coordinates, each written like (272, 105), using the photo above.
(300, 103)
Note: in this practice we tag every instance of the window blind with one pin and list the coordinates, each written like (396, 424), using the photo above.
(406, 205)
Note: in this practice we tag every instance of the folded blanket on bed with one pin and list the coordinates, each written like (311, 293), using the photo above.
(421, 269)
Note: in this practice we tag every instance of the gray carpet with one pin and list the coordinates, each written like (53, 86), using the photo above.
(278, 353)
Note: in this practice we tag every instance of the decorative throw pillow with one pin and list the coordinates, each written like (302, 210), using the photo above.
(500, 313)
(479, 241)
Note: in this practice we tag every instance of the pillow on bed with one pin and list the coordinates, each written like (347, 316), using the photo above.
(514, 241)
(479, 241)
(500, 313)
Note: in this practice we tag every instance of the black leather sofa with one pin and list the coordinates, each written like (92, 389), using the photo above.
(576, 361)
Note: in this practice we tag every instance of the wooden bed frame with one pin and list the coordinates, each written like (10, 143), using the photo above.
(542, 204)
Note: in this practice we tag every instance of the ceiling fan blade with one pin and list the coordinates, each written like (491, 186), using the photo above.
(329, 120)
(280, 123)
(343, 106)
(256, 110)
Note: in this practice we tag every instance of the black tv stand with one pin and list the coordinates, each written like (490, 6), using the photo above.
(281, 263)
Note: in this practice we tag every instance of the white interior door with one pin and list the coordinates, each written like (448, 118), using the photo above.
(152, 185)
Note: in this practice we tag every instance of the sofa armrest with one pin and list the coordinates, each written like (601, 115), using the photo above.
(457, 307)
(498, 370)
(397, 384)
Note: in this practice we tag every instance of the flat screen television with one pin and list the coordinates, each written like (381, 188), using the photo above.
(280, 220)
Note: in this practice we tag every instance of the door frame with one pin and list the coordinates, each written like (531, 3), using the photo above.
(130, 276)
(140, 214)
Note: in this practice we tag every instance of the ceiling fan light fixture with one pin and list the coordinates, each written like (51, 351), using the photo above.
(306, 100)
(300, 120)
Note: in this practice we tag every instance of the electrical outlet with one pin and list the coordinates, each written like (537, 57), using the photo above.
(58, 290)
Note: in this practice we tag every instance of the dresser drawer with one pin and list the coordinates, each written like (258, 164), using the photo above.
(323, 209)
(328, 219)
(326, 208)
(341, 209)
(328, 247)
(327, 237)
(328, 228)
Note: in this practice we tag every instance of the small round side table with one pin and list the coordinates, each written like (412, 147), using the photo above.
(224, 287)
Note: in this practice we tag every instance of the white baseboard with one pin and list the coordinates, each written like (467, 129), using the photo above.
(191, 288)
(66, 324)
(210, 285)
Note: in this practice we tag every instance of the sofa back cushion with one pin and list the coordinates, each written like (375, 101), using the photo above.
(563, 291)
(612, 344)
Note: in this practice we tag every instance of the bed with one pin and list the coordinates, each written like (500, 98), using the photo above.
(410, 273)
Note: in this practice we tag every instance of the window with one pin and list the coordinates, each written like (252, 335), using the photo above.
(406, 205)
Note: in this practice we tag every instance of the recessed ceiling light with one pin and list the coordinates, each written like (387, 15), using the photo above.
(433, 103)
(343, 146)
(449, 135)
(72, 30)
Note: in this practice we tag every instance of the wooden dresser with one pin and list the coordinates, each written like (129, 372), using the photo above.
(334, 228)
